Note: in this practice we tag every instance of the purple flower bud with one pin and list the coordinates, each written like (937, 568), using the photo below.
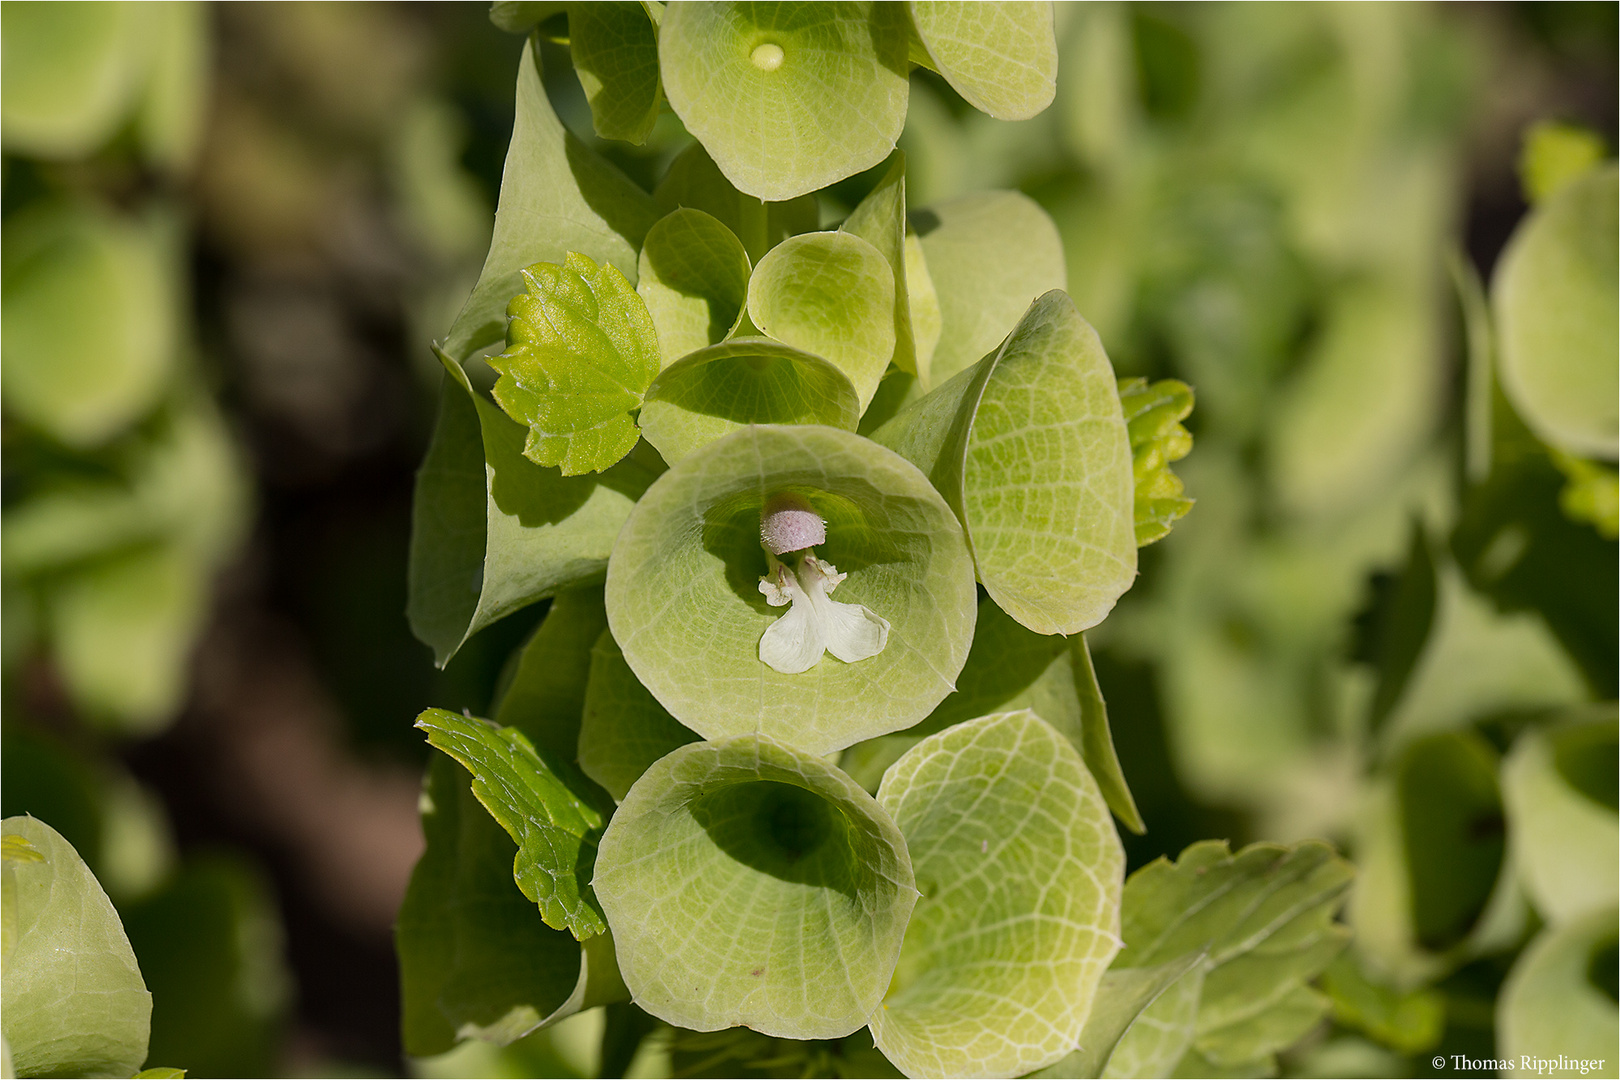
(789, 524)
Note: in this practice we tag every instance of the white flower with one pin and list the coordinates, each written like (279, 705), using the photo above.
(815, 623)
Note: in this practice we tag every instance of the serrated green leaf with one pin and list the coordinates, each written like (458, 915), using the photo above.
(624, 729)
(1553, 154)
(1409, 1022)
(880, 220)
(1568, 843)
(71, 75)
(1549, 1010)
(557, 196)
(476, 960)
(787, 98)
(72, 1002)
(746, 380)
(1554, 297)
(1153, 416)
(683, 588)
(614, 47)
(989, 256)
(695, 181)
(491, 531)
(1002, 58)
(1265, 917)
(694, 279)
(831, 294)
(581, 350)
(546, 696)
(750, 883)
(91, 333)
(556, 830)
(1020, 870)
(1030, 449)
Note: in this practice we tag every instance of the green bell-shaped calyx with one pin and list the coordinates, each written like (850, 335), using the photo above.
(581, 350)
(1030, 448)
(685, 604)
(750, 883)
(1020, 872)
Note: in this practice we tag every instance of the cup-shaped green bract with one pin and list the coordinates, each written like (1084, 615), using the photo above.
(832, 294)
(1030, 448)
(1554, 300)
(694, 279)
(787, 98)
(684, 601)
(1002, 58)
(750, 883)
(746, 380)
(623, 729)
(1020, 872)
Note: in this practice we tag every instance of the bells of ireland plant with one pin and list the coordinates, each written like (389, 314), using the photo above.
(751, 883)
(798, 582)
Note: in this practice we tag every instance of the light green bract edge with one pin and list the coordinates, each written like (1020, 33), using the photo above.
(831, 294)
(614, 48)
(1554, 299)
(684, 604)
(1548, 1006)
(581, 350)
(694, 280)
(1020, 871)
(1002, 58)
(714, 391)
(72, 998)
(751, 883)
(1031, 450)
(787, 98)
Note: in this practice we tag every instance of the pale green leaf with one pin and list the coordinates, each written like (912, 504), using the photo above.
(1002, 58)
(1031, 450)
(71, 73)
(1011, 668)
(695, 181)
(745, 380)
(624, 729)
(476, 960)
(1364, 401)
(91, 334)
(1126, 999)
(923, 302)
(123, 628)
(831, 294)
(787, 98)
(521, 16)
(1555, 153)
(581, 349)
(694, 279)
(557, 196)
(172, 114)
(162, 1072)
(1153, 416)
(684, 603)
(72, 1002)
(556, 831)
(614, 47)
(1162, 1032)
(1409, 1021)
(1265, 918)
(1568, 842)
(491, 531)
(751, 883)
(1549, 1009)
(1020, 873)
(546, 695)
(1554, 295)
(989, 256)
(880, 220)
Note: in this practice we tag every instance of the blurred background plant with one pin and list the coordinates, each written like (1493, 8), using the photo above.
(229, 233)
